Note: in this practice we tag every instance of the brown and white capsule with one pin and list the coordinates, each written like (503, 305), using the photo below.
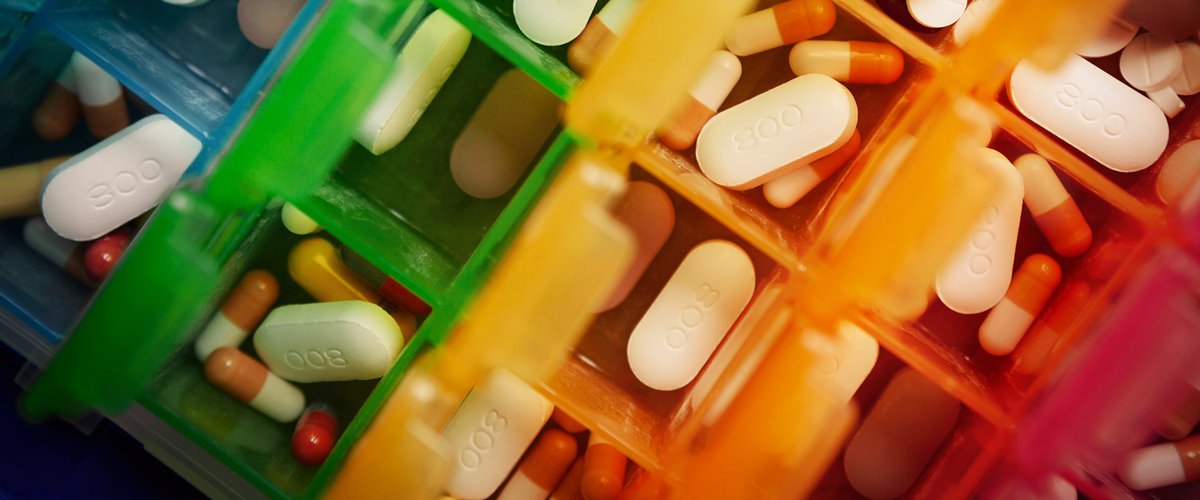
(240, 314)
(250, 382)
(58, 113)
(101, 96)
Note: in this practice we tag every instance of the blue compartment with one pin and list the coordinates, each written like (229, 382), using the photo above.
(189, 63)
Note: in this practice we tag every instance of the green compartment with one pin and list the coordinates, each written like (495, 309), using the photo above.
(401, 211)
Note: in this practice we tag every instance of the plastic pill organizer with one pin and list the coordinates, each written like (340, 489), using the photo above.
(514, 281)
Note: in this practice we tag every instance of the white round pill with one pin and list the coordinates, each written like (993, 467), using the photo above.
(936, 13)
(1187, 82)
(1115, 37)
(1150, 63)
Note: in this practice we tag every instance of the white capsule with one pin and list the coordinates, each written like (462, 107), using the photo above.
(490, 431)
(422, 67)
(973, 19)
(504, 135)
(773, 133)
(329, 341)
(690, 316)
(1150, 64)
(1115, 37)
(1091, 110)
(1187, 82)
(978, 275)
(936, 13)
(552, 22)
(118, 179)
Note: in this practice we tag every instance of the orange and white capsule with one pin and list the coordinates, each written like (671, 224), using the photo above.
(102, 98)
(1042, 341)
(58, 113)
(1031, 288)
(785, 23)
(542, 468)
(785, 191)
(1053, 209)
(1162, 465)
(600, 35)
(603, 470)
(704, 98)
(250, 382)
(848, 62)
(240, 314)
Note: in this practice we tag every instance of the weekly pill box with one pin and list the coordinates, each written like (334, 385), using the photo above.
(473, 260)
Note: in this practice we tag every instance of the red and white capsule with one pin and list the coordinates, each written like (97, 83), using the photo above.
(704, 98)
(1162, 465)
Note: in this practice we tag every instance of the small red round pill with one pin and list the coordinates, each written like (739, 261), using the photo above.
(102, 255)
(316, 433)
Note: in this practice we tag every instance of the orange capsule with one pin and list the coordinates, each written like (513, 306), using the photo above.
(644, 486)
(1053, 209)
(58, 113)
(603, 470)
(240, 313)
(600, 35)
(1031, 288)
(704, 98)
(542, 468)
(567, 423)
(848, 62)
(569, 488)
(785, 191)
(250, 382)
(1033, 353)
(785, 23)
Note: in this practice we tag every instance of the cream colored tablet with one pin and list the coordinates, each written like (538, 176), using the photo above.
(491, 430)
(777, 131)
(329, 341)
(691, 315)
(978, 275)
(1091, 110)
(843, 360)
(421, 69)
(552, 22)
(118, 179)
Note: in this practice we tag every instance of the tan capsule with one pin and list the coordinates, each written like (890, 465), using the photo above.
(21, 187)
(899, 436)
(647, 211)
(58, 113)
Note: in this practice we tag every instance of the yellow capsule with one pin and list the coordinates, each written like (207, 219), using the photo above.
(314, 264)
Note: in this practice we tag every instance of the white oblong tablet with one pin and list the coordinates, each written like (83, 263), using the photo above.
(973, 18)
(118, 179)
(1115, 37)
(490, 431)
(1150, 63)
(329, 341)
(552, 22)
(1187, 82)
(1179, 172)
(783, 128)
(977, 276)
(690, 316)
(843, 360)
(421, 69)
(505, 133)
(936, 13)
(1091, 110)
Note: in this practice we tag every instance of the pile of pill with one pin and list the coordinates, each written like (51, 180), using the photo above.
(355, 330)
